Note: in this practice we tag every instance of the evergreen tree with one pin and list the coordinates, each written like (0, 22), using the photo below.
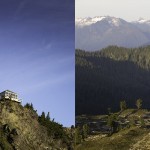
(29, 106)
(84, 131)
(77, 137)
(109, 111)
(48, 116)
(111, 122)
(32, 106)
(139, 103)
(123, 105)
(142, 122)
(42, 118)
(72, 127)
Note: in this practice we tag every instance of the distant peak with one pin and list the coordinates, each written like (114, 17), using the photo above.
(88, 20)
(142, 20)
(92, 20)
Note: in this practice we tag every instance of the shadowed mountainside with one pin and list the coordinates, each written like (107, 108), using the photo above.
(104, 78)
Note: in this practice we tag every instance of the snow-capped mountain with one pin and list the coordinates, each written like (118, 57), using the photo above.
(81, 22)
(142, 21)
(101, 31)
(143, 25)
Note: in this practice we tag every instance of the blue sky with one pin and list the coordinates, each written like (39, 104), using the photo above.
(37, 54)
(130, 10)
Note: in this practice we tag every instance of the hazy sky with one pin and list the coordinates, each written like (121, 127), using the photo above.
(37, 54)
(129, 10)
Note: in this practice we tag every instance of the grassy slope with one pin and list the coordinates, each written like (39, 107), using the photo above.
(119, 141)
(123, 140)
(31, 135)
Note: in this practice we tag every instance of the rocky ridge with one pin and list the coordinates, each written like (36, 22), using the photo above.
(20, 130)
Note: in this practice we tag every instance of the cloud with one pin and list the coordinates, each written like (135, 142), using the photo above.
(48, 46)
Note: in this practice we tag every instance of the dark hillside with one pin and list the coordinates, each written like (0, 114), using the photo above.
(106, 77)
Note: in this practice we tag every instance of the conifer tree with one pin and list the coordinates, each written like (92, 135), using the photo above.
(111, 122)
(123, 105)
(77, 137)
(32, 106)
(109, 111)
(48, 116)
(42, 118)
(139, 103)
(84, 131)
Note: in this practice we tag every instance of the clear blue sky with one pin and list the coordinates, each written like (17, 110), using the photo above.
(37, 54)
(129, 10)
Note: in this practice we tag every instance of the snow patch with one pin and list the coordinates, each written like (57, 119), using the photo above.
(142, 21)
(88, 21)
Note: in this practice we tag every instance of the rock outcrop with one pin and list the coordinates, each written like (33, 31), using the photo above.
(20, 130)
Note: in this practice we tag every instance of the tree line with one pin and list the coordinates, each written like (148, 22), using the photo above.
(54, 129)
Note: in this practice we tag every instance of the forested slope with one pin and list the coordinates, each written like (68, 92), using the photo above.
(103, 78)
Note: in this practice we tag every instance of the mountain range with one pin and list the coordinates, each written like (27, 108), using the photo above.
(102, 31)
